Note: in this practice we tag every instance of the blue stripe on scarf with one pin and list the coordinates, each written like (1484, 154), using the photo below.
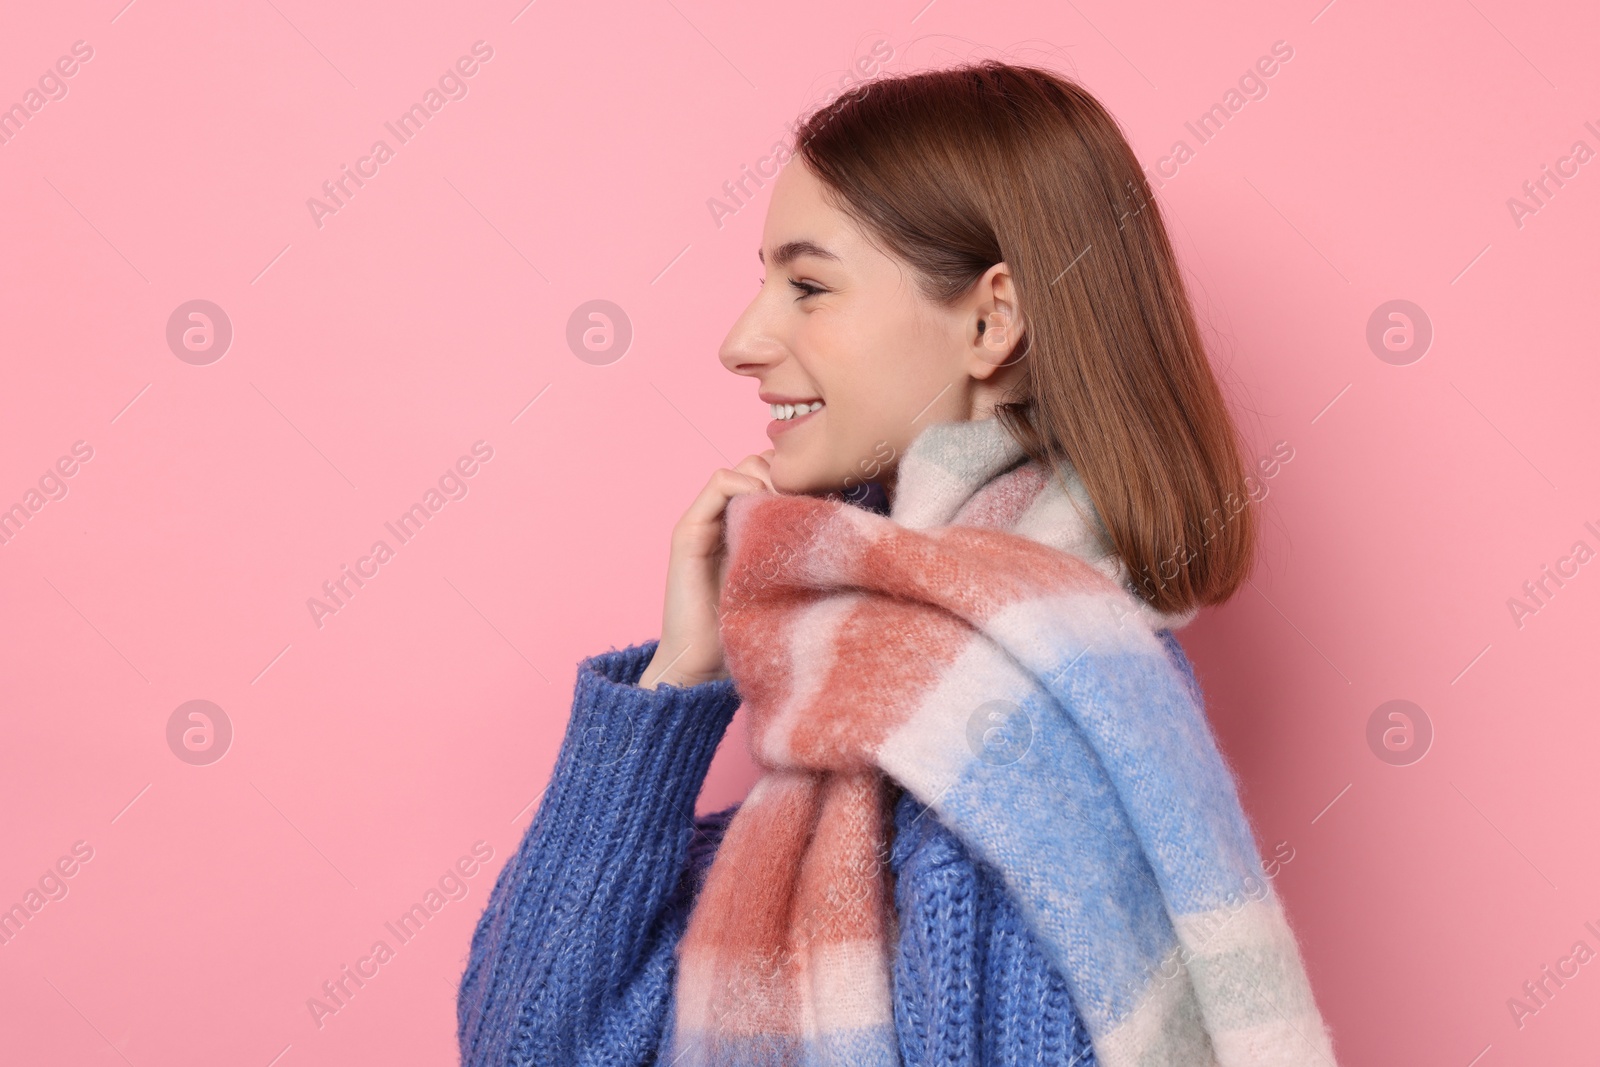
(1055, 820)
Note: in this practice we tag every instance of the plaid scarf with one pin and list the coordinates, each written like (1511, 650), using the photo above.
(979, 646)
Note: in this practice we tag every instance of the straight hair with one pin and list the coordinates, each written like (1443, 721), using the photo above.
(958, 169)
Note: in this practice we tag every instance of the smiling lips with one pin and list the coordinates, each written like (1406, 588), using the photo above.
(789, 411)
(786, 416)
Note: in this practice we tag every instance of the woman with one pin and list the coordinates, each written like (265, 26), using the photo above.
(1002, 473)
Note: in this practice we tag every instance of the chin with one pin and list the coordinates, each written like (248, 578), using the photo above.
(796, 478)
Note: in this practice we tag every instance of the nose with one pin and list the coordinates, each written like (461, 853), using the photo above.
(751, 347)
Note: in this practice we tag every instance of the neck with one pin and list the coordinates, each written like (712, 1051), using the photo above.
(889, 481)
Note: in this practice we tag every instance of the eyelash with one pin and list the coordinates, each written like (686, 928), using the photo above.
(806, 288)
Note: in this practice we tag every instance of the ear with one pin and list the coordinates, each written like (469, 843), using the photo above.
(994, 321)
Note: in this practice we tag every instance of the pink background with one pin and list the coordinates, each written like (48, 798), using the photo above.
(368, 354)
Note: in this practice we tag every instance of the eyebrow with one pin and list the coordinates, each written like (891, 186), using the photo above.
(791, 250)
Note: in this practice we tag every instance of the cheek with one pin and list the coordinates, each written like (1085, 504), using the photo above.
(883, 380)
(854, 443)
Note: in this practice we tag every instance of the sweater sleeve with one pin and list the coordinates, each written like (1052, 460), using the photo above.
(572, 961)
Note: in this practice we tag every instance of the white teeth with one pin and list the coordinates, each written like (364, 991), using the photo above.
(784, 412)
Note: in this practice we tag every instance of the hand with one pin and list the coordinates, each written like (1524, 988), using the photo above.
(690, 650)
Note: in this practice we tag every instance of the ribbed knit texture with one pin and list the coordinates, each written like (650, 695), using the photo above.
(572, 962)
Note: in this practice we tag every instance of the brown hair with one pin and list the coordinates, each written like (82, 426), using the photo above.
(956, 170)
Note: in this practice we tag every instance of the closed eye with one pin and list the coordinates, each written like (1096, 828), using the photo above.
(806, 289)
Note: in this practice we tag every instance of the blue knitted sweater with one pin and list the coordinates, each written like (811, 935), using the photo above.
(572, 961)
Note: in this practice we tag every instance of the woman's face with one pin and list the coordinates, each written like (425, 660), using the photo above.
(839, 322)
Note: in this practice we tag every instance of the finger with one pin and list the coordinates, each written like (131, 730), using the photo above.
(746, 478)
(758, 467)
(723, 485)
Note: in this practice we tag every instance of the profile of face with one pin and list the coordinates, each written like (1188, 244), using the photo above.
(840, 331)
